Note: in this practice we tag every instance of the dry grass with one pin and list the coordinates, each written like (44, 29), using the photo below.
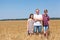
(16, 30)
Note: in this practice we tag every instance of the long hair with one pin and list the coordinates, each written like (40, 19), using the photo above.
(30, 15)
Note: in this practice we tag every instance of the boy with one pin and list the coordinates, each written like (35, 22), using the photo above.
(45, 22)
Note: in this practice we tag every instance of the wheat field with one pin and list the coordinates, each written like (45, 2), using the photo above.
(16, 30)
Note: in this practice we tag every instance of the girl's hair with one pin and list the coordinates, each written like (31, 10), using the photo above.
(45, 10)
(30, 15)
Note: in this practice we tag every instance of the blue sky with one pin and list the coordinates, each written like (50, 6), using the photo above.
(15, 9)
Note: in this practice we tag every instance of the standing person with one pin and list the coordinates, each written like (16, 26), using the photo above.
(38, 22)
(30, 23)
(46, 22)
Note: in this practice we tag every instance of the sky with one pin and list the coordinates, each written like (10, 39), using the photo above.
(17, 9)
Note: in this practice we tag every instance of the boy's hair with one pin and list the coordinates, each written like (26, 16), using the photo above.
(30, 15)
(45, 10)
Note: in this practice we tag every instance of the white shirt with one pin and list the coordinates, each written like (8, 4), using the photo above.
(39, 17)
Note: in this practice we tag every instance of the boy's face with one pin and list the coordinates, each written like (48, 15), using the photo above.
(45, 12)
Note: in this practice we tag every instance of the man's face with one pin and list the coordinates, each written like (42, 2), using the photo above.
(37, 11)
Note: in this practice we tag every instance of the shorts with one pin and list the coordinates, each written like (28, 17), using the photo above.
(45, 28)
(37, 28)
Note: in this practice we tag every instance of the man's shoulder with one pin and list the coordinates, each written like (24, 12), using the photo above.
(40, 14)
(34, 14)
(37, 15)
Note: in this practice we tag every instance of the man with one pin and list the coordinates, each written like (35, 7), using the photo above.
(38, 22)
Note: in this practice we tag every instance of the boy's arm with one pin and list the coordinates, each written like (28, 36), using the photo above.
(48, 18)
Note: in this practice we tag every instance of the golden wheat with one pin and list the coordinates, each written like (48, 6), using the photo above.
(16, 30)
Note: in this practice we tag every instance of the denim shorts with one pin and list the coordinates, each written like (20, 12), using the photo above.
(45, 29)
(37, 28)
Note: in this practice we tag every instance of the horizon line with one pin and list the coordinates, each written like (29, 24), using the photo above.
(25, 19)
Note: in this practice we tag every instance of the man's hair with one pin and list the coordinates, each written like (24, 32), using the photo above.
(37, 9)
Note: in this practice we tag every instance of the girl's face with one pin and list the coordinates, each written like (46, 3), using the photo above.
(32, 16)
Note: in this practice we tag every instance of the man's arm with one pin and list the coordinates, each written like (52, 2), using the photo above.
(42, 20)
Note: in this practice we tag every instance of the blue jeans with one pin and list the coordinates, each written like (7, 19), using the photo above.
(45, 28)
(39, 28)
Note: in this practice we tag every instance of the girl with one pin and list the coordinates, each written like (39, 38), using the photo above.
(45, 22)
(30, 23)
